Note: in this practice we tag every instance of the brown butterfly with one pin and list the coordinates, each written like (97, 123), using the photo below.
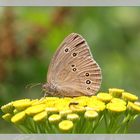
(73, 71)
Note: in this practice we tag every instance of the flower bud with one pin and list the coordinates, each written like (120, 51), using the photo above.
(96, 105)
(51, 110)
(133, 107)
(66, 126)
(19, 118)
(105, 97)
(7, 117)
(91, 115)
(40, 117)
(35, 109)
(115, 92)
(116, 107)
(54, 119)
(73, 117)
(77, 109)
(117, 100)
(129, 96)
(8, 108)
(63, 113)
(22, 104)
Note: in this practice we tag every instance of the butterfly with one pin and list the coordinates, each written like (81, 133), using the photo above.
(73, 70)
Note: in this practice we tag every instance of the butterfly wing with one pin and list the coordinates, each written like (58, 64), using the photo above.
(73, 70)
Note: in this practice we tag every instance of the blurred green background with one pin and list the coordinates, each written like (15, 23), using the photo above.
(30, 35)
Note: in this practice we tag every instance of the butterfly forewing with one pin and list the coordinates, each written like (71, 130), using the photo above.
(73, 70)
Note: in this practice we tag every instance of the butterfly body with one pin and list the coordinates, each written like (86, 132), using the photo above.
(73, 71)
(54, 90)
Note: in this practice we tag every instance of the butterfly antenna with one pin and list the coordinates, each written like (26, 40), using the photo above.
(29, 86)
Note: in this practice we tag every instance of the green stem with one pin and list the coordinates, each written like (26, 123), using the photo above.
(88, 127)
(75, 128)
(81, 124)
(96, 123)
(112, 122)
(105, 120)
(128, 123)
(47, 127)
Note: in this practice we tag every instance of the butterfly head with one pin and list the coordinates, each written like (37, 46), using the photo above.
(45, 87)
(48, 88)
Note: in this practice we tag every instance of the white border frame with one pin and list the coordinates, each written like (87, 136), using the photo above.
(69, 2)
(70, 137)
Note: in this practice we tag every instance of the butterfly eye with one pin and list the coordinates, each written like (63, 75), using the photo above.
(66, 49)
(74, 69)
(88, 82)
(74, 54)
(87, 74)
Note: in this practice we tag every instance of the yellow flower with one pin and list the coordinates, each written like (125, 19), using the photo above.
(90, 108)
(77, 109)
(115, 92)
(48, 101)
(51, 99)
(117, 100)
(35, 109)
(19, 117)
(129, 97)
(62, 104)
(65, 99)
(38, 102)
(96, 105)
(8, 108)
(34, 102)
(40, 116)
(137, 103)
(133, 107)
(91, 114)
(116, 107)
(73, 103)
(7, 117)
(105, 97)
(54, 119)
(64, 113)
(51, 110)
(93, 98)
(82, 100)
(66, 125)
(22, 104)
(73, 117)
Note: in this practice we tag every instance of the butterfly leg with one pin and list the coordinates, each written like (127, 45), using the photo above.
(46, 94)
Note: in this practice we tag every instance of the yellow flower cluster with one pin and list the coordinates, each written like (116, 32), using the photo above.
(67, 115)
